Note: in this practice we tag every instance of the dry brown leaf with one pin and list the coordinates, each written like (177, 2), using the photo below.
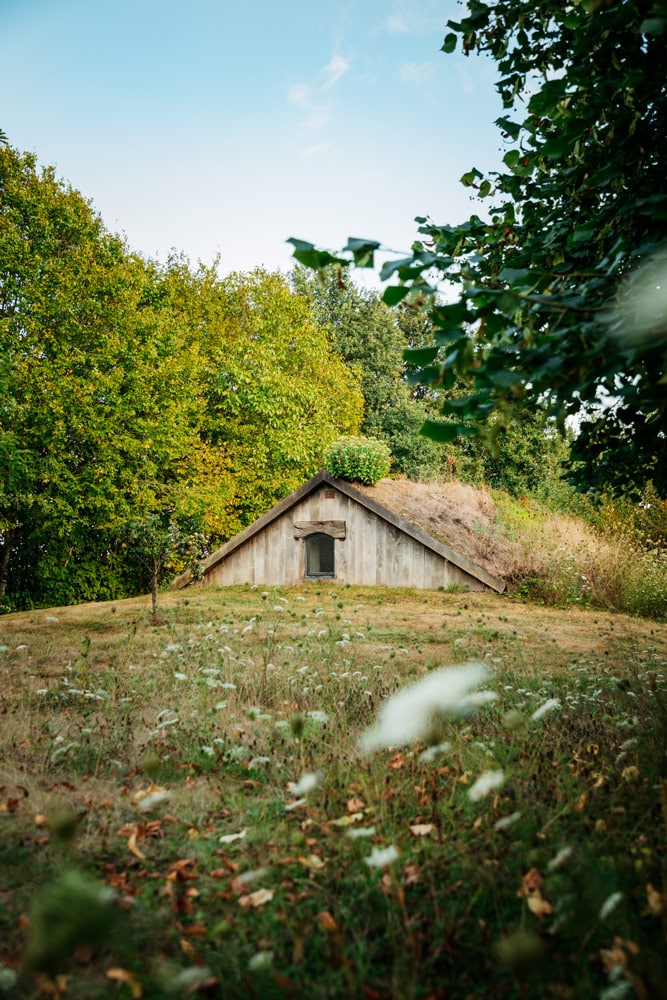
(313, 861)
(355, 805)
(256, 899)
(123, 976)
(132, 844)
(538, 905)
(327, 922)
(654, 899)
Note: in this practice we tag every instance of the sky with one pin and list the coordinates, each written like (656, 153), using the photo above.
(220, 128)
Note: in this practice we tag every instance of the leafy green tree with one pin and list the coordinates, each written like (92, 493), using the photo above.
(167, 542)
(371, 339)
(274, 391)
(560, 285)
(97, 420)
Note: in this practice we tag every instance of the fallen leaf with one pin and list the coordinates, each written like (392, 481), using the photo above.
(538, 905)
(327, 922)
(256, 899)
(346, 820)
(313, 861)
(123, 976)
(187, 948)
(396, 762)
(355, 805)
(654, 900)
(421, 829)
(132, 844)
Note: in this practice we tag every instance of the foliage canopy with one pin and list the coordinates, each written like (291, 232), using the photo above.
(561, 284)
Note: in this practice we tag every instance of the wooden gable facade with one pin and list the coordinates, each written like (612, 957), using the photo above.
(328, 530)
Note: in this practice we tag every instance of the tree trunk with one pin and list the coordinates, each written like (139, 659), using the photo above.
(5, 555)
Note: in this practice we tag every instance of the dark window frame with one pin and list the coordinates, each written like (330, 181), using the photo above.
(322, 539)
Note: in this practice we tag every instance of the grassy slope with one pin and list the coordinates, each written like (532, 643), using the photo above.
(469, 909)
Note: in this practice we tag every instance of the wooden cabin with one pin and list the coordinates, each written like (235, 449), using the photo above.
(327, 530)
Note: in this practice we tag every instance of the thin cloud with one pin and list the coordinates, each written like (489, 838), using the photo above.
(418, 73)
(319, 149)
(413, 17)
(336, 68)
(299, 94)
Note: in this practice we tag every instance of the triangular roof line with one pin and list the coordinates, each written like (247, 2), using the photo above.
(376, 508)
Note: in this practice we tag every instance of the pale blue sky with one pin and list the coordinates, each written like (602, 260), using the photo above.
(226, 127)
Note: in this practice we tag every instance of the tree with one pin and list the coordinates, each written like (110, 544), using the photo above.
(97, 421)
(167, 542)
(274, 391)
(559, 286)
(371, 339)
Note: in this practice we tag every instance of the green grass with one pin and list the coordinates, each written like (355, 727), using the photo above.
(230, 700)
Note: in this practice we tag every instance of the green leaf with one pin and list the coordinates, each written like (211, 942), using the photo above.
(420, 355)
(470, 177)
(363, 251)
(394, 294)
(449, 43)
(437, 430)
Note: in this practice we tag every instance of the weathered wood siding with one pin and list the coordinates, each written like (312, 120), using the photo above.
(372, 553)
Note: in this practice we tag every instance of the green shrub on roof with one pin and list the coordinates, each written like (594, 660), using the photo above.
(359, 459)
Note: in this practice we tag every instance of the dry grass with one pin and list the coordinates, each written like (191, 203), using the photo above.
(220, 705)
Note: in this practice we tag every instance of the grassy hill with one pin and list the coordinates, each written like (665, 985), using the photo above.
(186, 809)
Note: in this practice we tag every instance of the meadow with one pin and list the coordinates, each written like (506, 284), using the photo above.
(195, 807)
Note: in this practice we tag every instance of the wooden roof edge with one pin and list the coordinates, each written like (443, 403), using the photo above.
(408, 528)
(252, 529)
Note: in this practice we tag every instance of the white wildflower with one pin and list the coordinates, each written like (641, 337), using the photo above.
(487, 782)
(318, 716)
(432, 752)
(295, 805)
(305, 784)
(507, 821)
(229, 838)
(261, 960)
(548, 706)
(152, 799)
(52, 618)
(253, 875)
(8, 979)
(559, 859)
(258, 762)
(408, 715)
(381, 856)
(180, 677)
(609, 905)
(359, 832)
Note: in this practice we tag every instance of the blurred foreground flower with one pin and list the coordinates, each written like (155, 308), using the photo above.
(548, 706)
(414, 713)
(305, 784)
(640, 309)
(381, 856)
(487, 782)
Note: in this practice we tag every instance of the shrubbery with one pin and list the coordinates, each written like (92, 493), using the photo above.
(360, 459)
